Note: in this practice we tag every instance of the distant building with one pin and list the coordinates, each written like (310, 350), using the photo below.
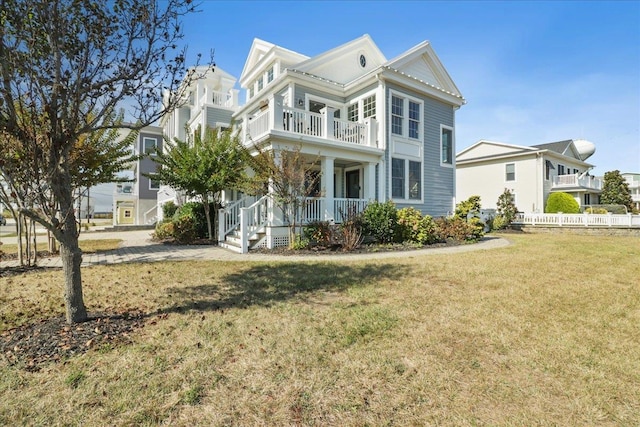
(530, 173)
(135, 201)
(633, 179)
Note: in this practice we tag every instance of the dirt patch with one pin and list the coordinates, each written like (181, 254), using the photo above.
(53, 340)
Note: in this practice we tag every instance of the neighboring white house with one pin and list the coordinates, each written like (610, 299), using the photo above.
(633, 179)
(531, 173)
(134, 202)
(210, 102)
(376, 129)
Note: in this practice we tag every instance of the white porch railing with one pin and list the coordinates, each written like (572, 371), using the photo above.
(258, 125)
(589, 182)
(579, 220)
(253, 219)
(320, 125)
(150, 219)
(229, 217)
(345, 207)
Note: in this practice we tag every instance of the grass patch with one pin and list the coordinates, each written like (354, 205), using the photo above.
(87, 246)
(543, 332)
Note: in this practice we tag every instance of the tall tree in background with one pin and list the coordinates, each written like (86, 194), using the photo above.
(203, 167)
(615, 190)
(65, 67)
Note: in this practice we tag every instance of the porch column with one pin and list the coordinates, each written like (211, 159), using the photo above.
(275, 112)
(327, 184)
(369, 181)
(327, 126)
(372, 131)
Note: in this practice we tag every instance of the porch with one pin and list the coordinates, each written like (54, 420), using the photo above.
(273, 116)
(256, 222)
(576, 182)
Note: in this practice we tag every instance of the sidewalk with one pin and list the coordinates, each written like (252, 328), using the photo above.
(137, 246)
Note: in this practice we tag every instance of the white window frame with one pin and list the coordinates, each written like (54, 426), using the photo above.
(453, 146)
(144, 146)
(151, 187)
(506, 173)
(405, 115)
(406, 190)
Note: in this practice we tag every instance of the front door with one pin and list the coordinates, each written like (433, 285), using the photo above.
(353, 184)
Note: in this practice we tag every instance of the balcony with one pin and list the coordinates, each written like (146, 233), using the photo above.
(576, 182)
(306, 123)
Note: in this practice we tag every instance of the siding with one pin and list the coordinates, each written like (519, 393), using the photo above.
(437, 181)
(147, 165)
(218, 115)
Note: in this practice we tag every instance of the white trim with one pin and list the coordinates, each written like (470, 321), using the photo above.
(453, 146)
(405, 115)
(407, 159)
(144, 145)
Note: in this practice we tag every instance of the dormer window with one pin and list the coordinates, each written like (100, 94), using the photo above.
(251, 92)
(269, 75)
(260, 84)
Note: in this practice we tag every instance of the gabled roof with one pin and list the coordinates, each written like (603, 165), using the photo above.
(261, 49)
(342, 64)
(422, 64)
(486, 149)
(566, 148)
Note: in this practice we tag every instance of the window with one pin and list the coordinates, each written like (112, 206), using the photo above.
(560, 169)
(352, 112)
(397, 105)
(251, 92)
(397, 178)
(269, 75)
(510, 172)
(587, 199)
(369, 107)
(404, 108)
(446, 146)
(415, 180)
(149, 146)
(260, 84)
(154, 185)
(414, 120)
(403, 184)
(547, 169)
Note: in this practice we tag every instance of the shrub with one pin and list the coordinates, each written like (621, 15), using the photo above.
(168, 210)
(184, 229)
(499, 223)
(561, 202)
(469, 206)
(196, 211)
(379, 221)
(413, 227)
(506, 208)
(600, 211)
(459, 230)
(351, 231)
(318, 233)
(164, 230)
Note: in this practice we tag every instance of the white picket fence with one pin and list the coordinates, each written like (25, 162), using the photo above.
(578, 220)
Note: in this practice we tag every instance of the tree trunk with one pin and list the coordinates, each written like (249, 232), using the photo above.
(71, 256)
(70, 252)
(207, 214)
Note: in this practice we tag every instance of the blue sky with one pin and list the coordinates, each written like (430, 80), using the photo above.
(531, 72)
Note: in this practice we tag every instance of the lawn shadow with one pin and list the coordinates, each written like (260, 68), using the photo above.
(265, 284)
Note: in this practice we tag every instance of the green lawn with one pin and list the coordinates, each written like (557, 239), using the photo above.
(542, 332)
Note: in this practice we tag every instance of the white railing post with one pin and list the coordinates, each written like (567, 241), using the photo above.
(560, 219)
(629, 215)
(276, 113)
(244, 232)
(609, 219)
(585, 218)
(372, 131)
(327, 130)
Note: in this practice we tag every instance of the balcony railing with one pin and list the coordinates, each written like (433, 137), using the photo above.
(320, 125)
(587, 182)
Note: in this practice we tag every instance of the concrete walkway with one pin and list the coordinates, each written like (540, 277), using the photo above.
(137, 246)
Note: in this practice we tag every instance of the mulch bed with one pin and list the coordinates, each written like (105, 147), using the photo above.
(34, 345)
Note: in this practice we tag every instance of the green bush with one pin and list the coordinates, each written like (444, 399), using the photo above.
(457, 229)
(379, 221)
(499, 222)
(169, 209)
(184, 229)
(195, 210)
(164, 230)
(413, 227)
(469, 206)
(600, 211)
(318, 233)
(561, 202)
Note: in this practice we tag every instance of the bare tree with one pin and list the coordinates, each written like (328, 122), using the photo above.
(289, 179)
(65, 66)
